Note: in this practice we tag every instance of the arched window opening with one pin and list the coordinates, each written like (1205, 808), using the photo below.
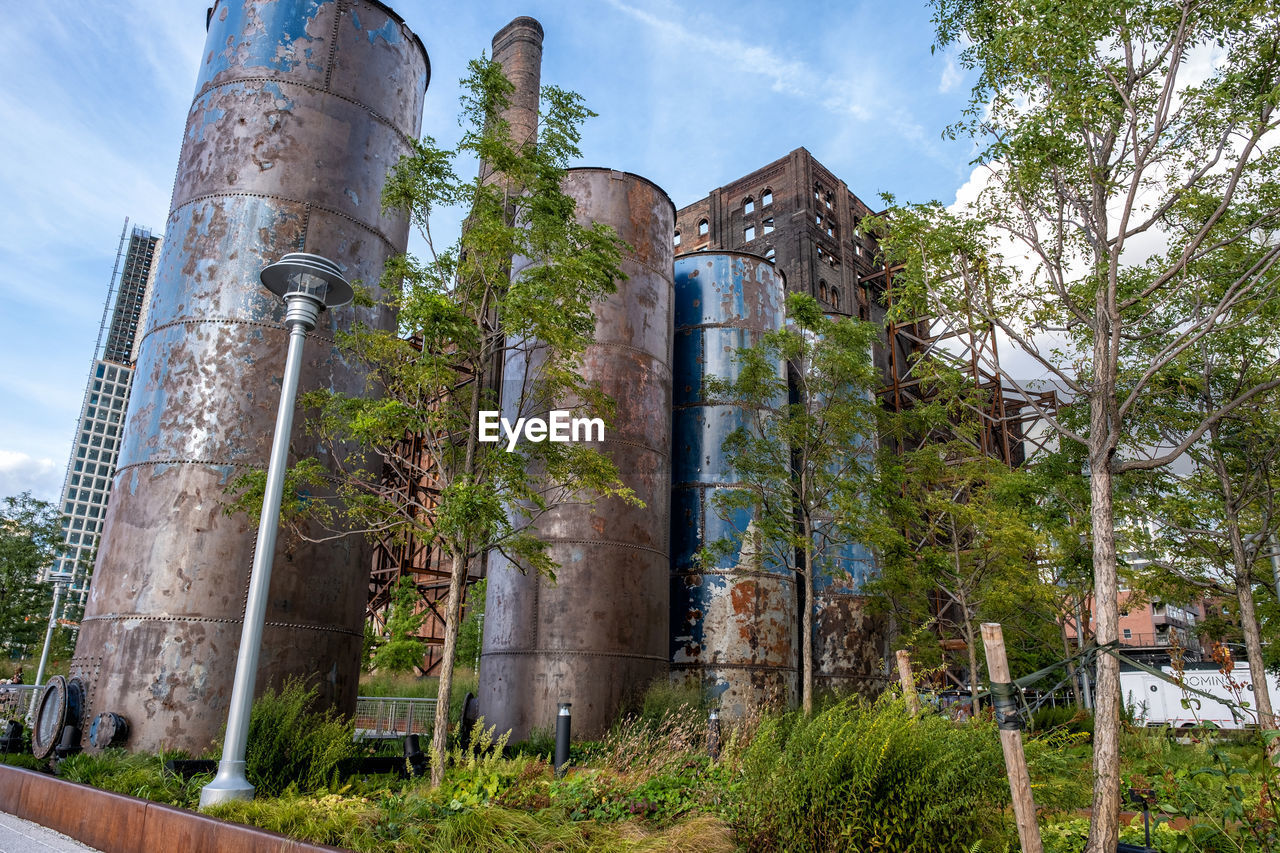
(822, 291)
(766, 198)
(677, 239)
(703, 228)
(748, 205)
(770, 254)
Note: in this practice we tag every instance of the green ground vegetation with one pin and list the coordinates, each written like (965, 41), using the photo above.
(855, 775)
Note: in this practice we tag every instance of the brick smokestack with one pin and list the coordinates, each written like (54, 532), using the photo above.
(517, 47)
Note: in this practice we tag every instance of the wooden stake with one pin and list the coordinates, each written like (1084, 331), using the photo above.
(908, 682)
(1015, 761)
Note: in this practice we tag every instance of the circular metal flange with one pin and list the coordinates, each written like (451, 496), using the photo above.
(61, 704)
(51, 718)
(108, 729)
(291, 272)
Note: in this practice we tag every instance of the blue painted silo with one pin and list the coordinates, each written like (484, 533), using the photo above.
(734, 623)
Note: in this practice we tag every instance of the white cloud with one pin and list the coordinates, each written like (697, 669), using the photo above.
(951, 75)
(786, 76)
(21, 473)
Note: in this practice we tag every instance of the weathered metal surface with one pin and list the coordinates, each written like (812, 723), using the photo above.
(599, 635)
(300, 110)
(848, 639)
(734, 622)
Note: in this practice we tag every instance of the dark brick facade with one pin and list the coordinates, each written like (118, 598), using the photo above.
(795, 212)
(799, 215)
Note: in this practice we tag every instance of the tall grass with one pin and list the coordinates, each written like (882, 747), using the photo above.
(135, 774)
(863, 777)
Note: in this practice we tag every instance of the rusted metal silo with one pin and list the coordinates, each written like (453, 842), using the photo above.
(848, 653)
(734, 623)
(599, 634)
(301, 108)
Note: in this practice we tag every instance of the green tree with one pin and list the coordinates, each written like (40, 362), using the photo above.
(804, 467)
(30, 533)
(1096, 136)
(959, 547)
(471, 632)
(403, 649)
(462, 316)
(1217, 519)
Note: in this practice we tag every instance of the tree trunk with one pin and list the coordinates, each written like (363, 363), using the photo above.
(440, 732)
(1105, 819)
(971, 642)
(1071, 667)
(1243, 576)
(1253, 650)
(806, 624)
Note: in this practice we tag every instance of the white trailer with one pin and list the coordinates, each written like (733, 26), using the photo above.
(1156, 702)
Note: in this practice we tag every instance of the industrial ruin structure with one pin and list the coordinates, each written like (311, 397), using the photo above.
(300, 109)
(600, 631)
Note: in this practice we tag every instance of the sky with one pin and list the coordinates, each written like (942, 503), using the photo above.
(94, 98)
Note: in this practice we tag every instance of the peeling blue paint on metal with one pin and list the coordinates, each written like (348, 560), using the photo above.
(282, 101)
(738, 611)
(388, 32)
(355, 18)
(238, 29)
(208, 116)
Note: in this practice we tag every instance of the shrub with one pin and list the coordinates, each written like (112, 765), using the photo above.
(862, 777)
(290, 744)
(1066, 717)
(664, 699)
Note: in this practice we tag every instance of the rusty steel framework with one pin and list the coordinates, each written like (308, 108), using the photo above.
(1009, 416)
(1006, 412)
(409, 554)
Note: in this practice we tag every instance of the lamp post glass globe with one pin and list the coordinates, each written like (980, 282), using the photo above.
(308, 284)
(312, 275)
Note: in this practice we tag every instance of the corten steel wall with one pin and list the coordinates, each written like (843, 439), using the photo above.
(598, 635)
(734, 624)
(300, 109)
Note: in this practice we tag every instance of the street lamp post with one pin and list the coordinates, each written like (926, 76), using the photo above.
(308, 284)
(60, 582)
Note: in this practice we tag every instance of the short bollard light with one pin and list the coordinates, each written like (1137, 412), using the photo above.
(713, 734)
(562, 739)
(415, 758)
(308, 284)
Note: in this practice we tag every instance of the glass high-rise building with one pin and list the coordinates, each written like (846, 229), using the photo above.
(96, 445)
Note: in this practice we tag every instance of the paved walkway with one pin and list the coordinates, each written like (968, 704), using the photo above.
(23, 836)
